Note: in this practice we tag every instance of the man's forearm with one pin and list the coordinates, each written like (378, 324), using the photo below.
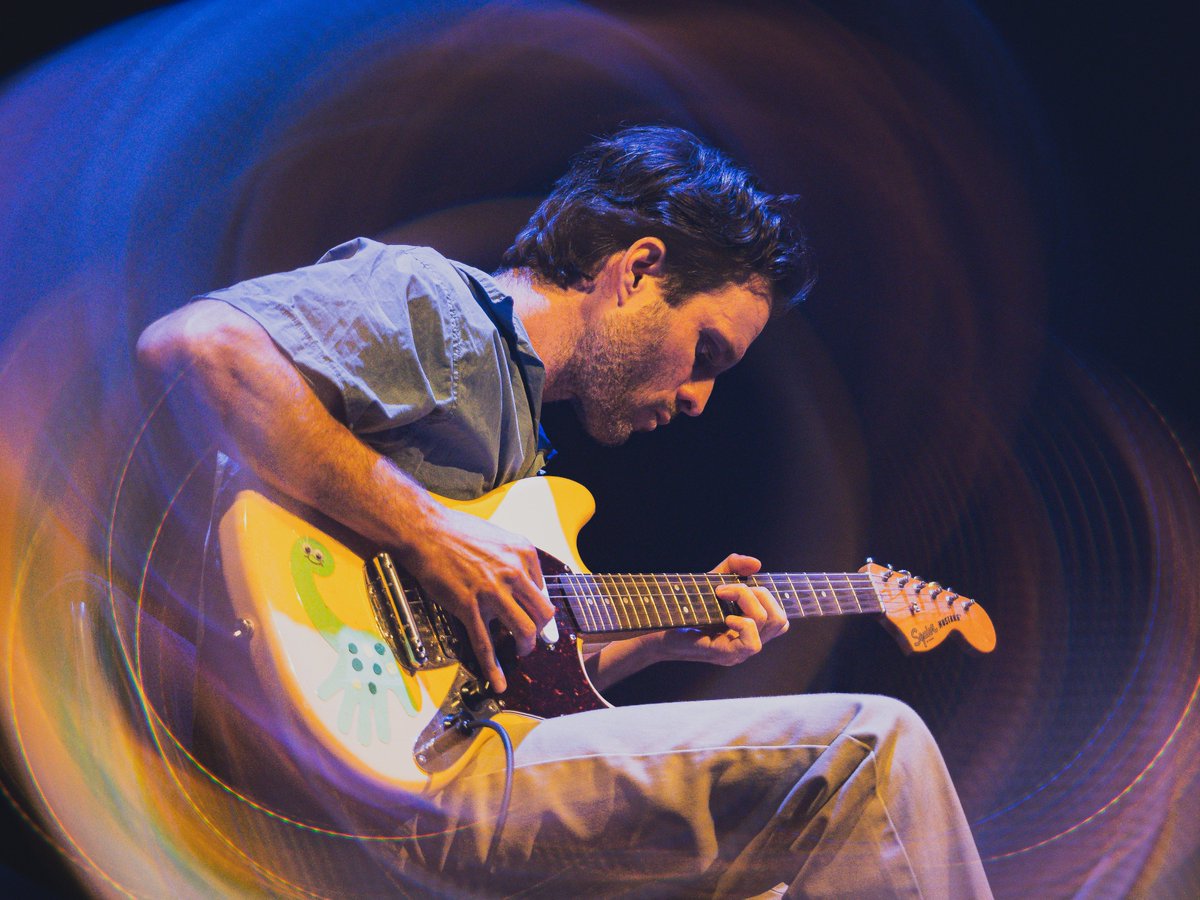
(278, 426)
(620, 659)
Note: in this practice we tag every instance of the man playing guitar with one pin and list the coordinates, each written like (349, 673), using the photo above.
(362, 384)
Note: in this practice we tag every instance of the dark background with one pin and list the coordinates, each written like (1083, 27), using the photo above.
(1117, 91)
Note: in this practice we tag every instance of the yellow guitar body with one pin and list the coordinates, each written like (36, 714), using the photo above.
(316, 644)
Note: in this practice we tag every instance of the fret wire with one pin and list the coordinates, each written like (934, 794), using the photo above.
(615, 595)
(845, 579)
(653, 583)
(588, 591)
(828, 594)
(825, 595)
(792, 596)
(673, 588)
(594, 588)
(700, 602)
(638, 607)
(653, 588)
(837, 601)
(637, 590)
(566, 596)
(698, 597)
(795, 606)
(571, 601)
(814, 599)
(629, 602)
(809, 597)
(683, 600)
(841, 589)
(635, 604)
(771, 583)
(814, 596)
(599, 603)
(665, 601)
(648, 605)
(833, 588)
(584, 615)
(599, 600)
(625, 604)
(803, 592)
(586, 588)
(873, 601)
(691, 596)
(611, 592)
(687, 613)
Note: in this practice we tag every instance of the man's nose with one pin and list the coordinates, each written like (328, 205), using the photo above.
(693, 396)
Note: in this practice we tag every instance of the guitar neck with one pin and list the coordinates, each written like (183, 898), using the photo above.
(617, 603)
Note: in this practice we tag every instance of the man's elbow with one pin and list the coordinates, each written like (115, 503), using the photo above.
(159, 348)
(191, 338)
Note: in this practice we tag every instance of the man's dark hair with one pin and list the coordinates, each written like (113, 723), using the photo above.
(718, 225)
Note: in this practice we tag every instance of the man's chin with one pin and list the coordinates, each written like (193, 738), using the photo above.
(612, 437)
(611, 432)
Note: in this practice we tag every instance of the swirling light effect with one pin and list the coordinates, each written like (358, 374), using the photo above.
(916, 408)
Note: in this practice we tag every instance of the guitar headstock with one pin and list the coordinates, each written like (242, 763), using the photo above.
(923, 613)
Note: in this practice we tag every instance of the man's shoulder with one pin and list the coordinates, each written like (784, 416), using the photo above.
(406, 270)
(405, 257)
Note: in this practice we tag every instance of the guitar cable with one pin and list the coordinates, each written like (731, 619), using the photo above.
(468, 724)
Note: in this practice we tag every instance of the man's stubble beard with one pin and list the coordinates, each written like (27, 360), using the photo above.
(615, 363)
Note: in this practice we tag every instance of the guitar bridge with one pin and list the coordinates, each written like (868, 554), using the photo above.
(393, 614)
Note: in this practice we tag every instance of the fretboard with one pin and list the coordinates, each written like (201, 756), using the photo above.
(612, 603)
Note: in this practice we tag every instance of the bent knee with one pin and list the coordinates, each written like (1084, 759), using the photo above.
(881, 721)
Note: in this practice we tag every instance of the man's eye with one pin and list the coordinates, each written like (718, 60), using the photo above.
(704, 353)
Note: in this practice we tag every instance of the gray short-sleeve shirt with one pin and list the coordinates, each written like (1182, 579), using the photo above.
(404, 353)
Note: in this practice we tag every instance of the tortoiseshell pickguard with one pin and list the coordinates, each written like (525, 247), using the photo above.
(550, 681)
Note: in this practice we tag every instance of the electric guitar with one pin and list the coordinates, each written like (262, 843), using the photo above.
(383, 678)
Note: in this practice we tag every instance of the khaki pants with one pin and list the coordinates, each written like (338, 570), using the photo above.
(834, 795)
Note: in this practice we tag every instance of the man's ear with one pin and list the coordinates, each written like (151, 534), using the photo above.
(645, 256)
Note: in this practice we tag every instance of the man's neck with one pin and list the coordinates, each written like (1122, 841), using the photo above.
(553, 319)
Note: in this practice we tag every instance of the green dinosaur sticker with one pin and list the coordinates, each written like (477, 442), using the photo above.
(365, 670)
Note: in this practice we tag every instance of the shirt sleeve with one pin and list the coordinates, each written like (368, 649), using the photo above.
(368, 325)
